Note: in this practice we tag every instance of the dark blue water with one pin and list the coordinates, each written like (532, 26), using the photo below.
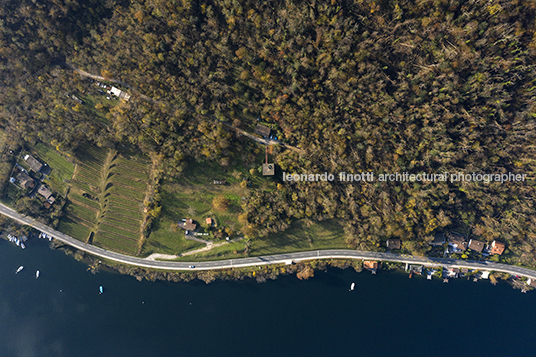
(62, 314)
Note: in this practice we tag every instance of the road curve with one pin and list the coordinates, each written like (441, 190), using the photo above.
(264, 260)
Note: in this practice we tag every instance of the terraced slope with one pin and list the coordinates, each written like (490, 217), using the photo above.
(106, 200)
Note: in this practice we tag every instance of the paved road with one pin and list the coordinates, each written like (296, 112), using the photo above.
(265, 260)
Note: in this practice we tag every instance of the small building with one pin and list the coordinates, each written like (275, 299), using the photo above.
(209, 221)
(439, 239)
(268, 169)
(394, 243)
(531, 282)
(119, 93)
(457, 241)
(45, 192)
(263, 131)
(371, 265)
(34, 164)
(454, 272)
(187, 224)
(476, 245)
(417, 269)
(25, 180)
(497, 247)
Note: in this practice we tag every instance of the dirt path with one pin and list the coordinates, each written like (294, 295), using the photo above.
(229, 125)
(208, 247)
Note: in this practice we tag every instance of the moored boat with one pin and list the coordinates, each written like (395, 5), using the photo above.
(37, 274)
(100, 290)
(18, 270)
(352, 287)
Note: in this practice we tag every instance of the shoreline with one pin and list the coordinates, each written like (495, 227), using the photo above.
(209, 268)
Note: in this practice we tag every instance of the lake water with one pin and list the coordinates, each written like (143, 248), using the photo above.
(62, 314)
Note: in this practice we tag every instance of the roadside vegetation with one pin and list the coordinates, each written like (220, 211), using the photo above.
(426, 86)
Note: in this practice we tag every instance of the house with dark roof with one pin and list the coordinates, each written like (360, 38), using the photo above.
(263, 131)
(187, 224)
(439, 239)
(497, 247)
(25, 180)
(476, 245)
(394, 243)
(45, 192)
(34, 164)
(457, 242)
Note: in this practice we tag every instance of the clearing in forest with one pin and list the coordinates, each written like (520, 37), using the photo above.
(105, 205)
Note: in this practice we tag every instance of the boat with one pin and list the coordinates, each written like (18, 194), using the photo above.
(22, 245)
(18, 270)
(37, 274)
(352, 287)
(100, 290)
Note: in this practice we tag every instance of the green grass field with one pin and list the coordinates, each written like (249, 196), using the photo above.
(62, 169)
(299, 237)
(167, 240)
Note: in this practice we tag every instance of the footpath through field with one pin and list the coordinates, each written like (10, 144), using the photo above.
(264, 260)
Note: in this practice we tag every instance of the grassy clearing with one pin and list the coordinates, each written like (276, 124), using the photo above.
(62, 169)
(82, 212)
(107, 226)
(74, 229)
(134, 194)
(124, 203)
(191, 196)
(122, 223)
(86, 201)
(167, 240)
(123, 213)
(226, 251)
(121, 181)
(301, 236)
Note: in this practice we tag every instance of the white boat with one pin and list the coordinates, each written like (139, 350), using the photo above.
(352, 287)
(18, 270)
(37, 274)
(17, 242)
(22, 245)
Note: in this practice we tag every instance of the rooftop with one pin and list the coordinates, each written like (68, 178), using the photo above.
(497, 247)
(34, 164)
(476, 245)
(25, 180)
(263, 130)
(394, 243)
(44, 191)
(188, 225)
(268, 169)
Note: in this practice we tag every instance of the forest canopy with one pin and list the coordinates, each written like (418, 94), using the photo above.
(383, 86)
